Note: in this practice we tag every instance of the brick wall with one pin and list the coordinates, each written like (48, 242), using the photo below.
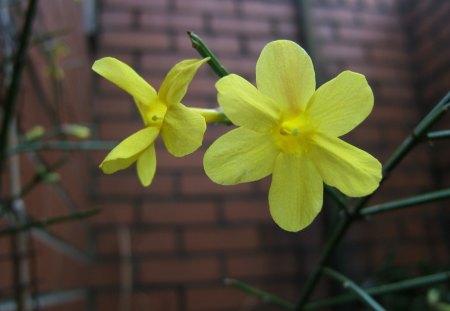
(169, 246)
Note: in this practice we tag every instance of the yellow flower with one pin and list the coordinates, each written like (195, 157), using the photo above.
(289, 129)
(181, 128)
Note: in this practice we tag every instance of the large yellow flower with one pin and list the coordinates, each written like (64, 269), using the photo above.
(289, 129)
(181, 129)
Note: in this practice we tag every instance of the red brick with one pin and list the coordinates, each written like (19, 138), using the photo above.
(247, 211)
(155, 300)
(201, 185)
(287, 28)
(80, 304)
(176, 21)
(160, 63)
(261, 265)
(6, 264)
(220, 239)
(235, 26)
(114, 213)
(103, 274)
(166, 161)
(387, 54)
(336, 15)
(179, 213)
(153, 241)
(353, 35)
(396, 94)
(124, 184)
(223, 298)
(243, 66)
(141, 4)
(118, 131)
(385, 72)
(255, 45)
(338, 51)
(116, 19)
(114, 107)
(177, 271)
(108, 243)
(212, 6)
(268, 9)
(220, 45)
(134, 40)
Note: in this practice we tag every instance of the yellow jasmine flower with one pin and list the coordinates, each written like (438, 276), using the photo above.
(181, 128)
(289, 129)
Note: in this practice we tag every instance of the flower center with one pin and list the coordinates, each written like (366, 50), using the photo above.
(294, 134)
(155, 114)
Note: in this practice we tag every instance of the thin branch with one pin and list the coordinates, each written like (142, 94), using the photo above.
(347, 283)
(423, 281)
(439, 135)
(204, 51)
(338, 198)
(63, 146)
(264, 296)
(415, 200)
(14, 87)
(51, 221)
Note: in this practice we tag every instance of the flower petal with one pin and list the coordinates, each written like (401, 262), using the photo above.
(244, 105)
(127, 151)
(285, 73)
(146, 165)
(176, 82)
(182, 130)
(240, 155)
(296, 192)
(127, 79)
(341, 104)
(353, 171)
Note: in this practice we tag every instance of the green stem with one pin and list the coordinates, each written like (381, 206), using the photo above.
(415, 200)
(264, 296)
(337, 197)
(439, 134)
(63, 146)
(344, 223)
(204, 51)
(13, 90)
(213, 115)
(383, 289)
(51, 221)
(418, 133)
(347, 283)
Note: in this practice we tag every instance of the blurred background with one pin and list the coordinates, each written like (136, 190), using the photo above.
(170, 246)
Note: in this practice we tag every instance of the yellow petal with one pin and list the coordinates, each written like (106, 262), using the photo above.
(296, 192)
(146, 165)
(127, 151)
(353, 171)
(285, 73)
(176, 82)
(127, 79)
(244, 105)
(341, 104)
(239, 156)
(182, 130)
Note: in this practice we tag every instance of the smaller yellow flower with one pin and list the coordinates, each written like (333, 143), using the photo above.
(181, 128)
(290, 130)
